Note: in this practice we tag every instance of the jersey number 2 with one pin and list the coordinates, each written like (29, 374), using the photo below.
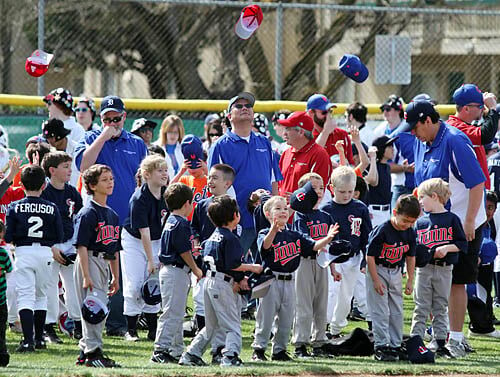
(33, 229)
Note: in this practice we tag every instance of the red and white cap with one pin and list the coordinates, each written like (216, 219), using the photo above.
(249, 21)
(38, 63)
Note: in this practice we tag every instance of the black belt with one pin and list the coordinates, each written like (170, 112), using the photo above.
(441, 263)
(104, 255)
(387, 265)
(381, 207)
(225, 277)
(284, 277)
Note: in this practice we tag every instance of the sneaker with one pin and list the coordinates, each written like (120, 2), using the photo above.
(301, 352)
(40, 345)
(50, 334)
(492, 334)
(131, 336)
(456, 348)
(496, 302)
(16, 327)
(385, 354)
(443, 352)
(25, 347)
(4, 359)
(81, 359)
(217, 356)
(162, 357)
(356, 315)
(428, 334)
(468, 348)
(98, 360)
(281, 356)
(259, 355)
(142, 323)
(231, 361)
(400, 352)
(433, 345)
(190, 359)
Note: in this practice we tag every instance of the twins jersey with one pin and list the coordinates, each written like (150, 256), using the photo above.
(68, 201)
(201, 224)
(354, 222)
(145, 211)
(11, 195)
(285, 251)
(224, 247)
(494, 172)
(389, 246)
(438, 229)
(176, 239)
(314, 225)
(33, 220)
(97, 228)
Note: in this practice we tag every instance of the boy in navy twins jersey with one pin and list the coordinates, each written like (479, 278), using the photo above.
(177, 259)
(57, 167)
(224, 254)
(311, 280)
(141, 242)
(354, 222)
(96, 238)
(34, 226)
(388, 244)
(281, 250)
(442, 232)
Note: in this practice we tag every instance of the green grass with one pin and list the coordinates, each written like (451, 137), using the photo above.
(58, 360)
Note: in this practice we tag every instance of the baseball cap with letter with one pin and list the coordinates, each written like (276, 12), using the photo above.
(112, 103)
(304, 199)
(243, 95)
(298, 119)
(468, 93)
(319, 102)
(418, 111)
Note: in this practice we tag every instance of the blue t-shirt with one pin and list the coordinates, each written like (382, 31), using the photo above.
(314, 225)
(354, 222)
(390, 246)
(381, 194)
(254, 163)
(123, 155)
(145, 211)
(97, 228)
(68, 201)
(225, 249)
(285, 251)
(33, 220)
(438, 229)
(176, 239)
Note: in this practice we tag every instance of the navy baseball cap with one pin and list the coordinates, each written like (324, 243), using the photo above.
(424, 97)
(352, 67)
(418, 353)
(304, 199)
(142, 123)
(418, 111)
(54, 128)
(243, 95)
(468, 93)
(192, 150)
(112, 103)
(319, 102)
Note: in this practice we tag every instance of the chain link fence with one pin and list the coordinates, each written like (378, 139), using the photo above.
(187, 49)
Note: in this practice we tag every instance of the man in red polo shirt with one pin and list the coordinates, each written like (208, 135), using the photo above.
(304, 156)
(470, 105)
(326, 133)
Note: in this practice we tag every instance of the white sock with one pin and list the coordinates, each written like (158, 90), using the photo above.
(457, 335)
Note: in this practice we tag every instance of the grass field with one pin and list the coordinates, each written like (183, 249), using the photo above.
(58, 360)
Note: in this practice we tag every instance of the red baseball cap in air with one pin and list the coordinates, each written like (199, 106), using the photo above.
(249, 21)
(298, 119)
(38, 63)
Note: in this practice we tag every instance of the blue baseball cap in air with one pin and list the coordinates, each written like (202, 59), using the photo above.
(352, 67)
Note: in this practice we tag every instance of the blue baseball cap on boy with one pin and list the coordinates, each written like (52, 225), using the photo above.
(319, 102)
(468, 93)
(192, 150)
(304, 199)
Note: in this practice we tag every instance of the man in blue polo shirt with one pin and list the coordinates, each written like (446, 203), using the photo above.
(123, 153)
(447, 153)
(251, 157)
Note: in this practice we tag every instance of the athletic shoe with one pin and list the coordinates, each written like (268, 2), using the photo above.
(25, 347)
(217, 356)
(231, 361)
(428, 334)
(40, 345)
(4, 359)
(190, 359)
(259, 355)
(443, 352)
(131, 336)
(142, 323)
(492, 334)
(400, 352)
(433, 345)
(101, 361)
(385, 354)
(456, 348)
(281, 356)
(496, 302)
(16, 327)
(468, 348)
(356, 315)
(163, 357)
(50, 334)
(81, 359)
(301, 352)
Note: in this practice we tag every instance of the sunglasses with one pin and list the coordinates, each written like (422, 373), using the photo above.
(213, 135)
(81, 109)
(48, 102)
(240, 106)
(112, 120)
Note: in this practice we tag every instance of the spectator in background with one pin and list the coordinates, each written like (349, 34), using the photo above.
(326, 132)
(280, 147)
(355, 115)
(85, 114)
(35, 152)
(209, 119)
(144, 129)
(60, 106)
(170, 138)
(214, 131)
